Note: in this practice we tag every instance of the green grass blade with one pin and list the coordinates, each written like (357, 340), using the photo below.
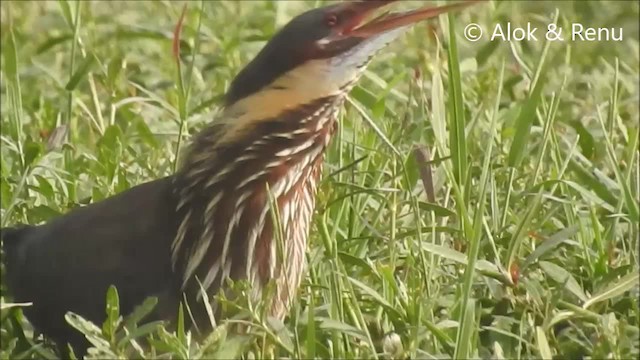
(528, 112)
(466, 320)
(543, 344)
(524, 122)
(81, 72)
(464, 344)
(630, 202)
(549, 244)
(562, 276)
(14, 93)
(457, 126)
(616, 288)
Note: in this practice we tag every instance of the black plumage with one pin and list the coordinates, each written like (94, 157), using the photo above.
(72, 260)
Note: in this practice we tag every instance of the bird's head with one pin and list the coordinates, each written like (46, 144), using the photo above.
(322, 51)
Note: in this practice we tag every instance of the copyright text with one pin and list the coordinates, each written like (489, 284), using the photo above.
(576, 32)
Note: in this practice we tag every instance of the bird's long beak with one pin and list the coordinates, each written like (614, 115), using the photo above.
(390, 21)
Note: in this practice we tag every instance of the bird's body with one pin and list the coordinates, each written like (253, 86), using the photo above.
(68, 263)
(110, 243)
(280, 163)
(239, 208)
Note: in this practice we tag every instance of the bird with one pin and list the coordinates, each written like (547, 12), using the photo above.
(187, 233)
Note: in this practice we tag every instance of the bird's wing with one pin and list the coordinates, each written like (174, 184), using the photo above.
(69, 263)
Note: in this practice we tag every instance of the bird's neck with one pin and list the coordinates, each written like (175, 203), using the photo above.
(228, 187)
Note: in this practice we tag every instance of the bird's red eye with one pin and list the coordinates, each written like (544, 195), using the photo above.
(331, 20)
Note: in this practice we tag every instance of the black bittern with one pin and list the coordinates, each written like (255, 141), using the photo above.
(210, 221)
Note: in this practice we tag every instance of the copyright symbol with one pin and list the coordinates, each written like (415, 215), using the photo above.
(473, 32)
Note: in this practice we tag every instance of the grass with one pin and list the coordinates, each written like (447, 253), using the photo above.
(528, 250)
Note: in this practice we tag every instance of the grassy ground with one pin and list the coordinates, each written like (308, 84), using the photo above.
(529, 248)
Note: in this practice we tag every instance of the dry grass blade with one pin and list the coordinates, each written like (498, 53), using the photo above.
(423, 158)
